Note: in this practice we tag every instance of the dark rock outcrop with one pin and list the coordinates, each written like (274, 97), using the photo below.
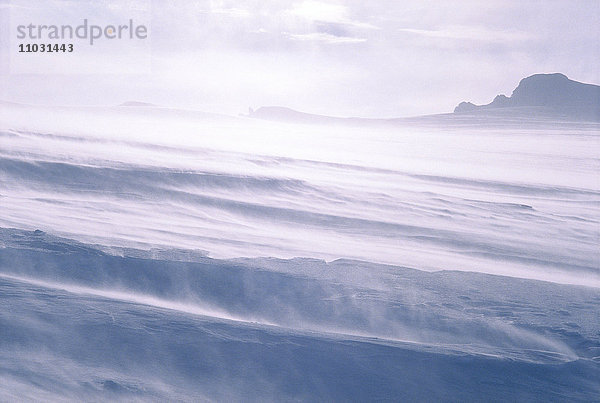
(548, 94)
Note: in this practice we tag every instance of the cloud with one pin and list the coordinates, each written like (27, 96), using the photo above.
(326, 38)
(321, 12)
(415, 57)
(323, 22)
(232, 12)
(10, 6)
(473, 33)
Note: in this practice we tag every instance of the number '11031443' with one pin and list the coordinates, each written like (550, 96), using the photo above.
(45, 47)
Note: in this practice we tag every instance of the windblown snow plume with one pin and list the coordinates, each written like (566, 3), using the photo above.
(157, 254)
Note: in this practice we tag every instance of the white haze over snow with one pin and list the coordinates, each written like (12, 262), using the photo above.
(512, 200)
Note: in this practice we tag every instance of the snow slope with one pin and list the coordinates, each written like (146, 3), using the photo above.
(147, 253)
(79, 323)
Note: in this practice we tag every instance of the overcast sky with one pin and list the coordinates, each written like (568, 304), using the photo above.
(346, 58)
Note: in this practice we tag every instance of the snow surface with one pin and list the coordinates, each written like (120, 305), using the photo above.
(188, 256)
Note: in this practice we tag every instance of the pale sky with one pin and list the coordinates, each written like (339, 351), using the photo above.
(345, 58)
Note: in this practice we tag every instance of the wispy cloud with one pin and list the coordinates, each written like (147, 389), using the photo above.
(232, 12)
(326, 38)
(475, 33)
(321, 12)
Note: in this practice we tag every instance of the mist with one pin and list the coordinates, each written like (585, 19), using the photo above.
(336, 58)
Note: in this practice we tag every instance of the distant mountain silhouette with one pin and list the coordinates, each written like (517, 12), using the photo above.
(547, 97)
(281, 113)
(545, 94)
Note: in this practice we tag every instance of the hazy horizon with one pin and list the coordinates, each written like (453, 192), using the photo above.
(324, 57)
